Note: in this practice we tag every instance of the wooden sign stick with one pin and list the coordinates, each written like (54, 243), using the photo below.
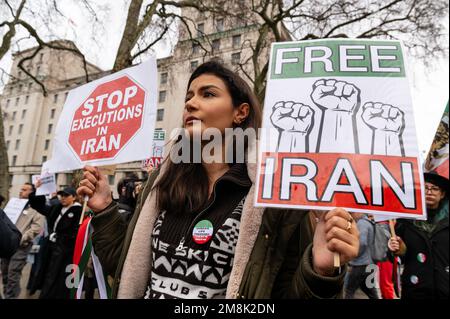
(83, 211)
(337, 261)
(392, 227)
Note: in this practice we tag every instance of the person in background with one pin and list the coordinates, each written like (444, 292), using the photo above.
(388, 272)
(63, 222)
(357, 277)
(424, 245)
(126, 188)
(30, 224)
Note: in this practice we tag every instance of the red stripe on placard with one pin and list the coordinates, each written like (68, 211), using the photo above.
(387, 184)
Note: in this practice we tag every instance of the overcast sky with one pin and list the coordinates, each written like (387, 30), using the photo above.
(429, 86)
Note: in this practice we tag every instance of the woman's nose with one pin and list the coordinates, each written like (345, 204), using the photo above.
(191, 105)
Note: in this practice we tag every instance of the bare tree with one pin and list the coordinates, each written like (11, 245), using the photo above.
(20, 18)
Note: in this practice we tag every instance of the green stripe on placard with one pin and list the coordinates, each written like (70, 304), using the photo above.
(356, 58)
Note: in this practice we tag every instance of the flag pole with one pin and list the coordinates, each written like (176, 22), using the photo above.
(83, 211)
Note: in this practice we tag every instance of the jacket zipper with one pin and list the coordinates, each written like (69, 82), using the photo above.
(183, 239)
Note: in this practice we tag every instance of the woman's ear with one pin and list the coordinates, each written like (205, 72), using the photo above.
(241, 113)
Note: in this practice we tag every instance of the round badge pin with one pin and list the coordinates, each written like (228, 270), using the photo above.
(421, 258)
(70, 215)
(202, 232)
(446, 269)
(414, 280)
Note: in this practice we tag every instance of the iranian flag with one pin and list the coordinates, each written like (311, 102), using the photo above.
(437, 159)
(84, 250)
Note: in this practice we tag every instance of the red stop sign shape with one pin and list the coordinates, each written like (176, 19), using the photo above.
(107, 120)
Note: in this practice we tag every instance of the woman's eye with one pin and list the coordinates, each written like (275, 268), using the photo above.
(208, 94)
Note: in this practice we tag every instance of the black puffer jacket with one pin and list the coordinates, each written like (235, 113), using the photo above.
(426, 273)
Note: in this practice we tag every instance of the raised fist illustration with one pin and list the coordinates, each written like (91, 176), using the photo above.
(385, 117)
(336, 95)
(292, 117)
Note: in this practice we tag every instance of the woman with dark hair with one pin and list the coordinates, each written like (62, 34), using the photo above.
(196, 233)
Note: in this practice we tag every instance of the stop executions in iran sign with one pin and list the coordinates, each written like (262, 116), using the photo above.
(108, 121)
(339, 130)
(97, 129)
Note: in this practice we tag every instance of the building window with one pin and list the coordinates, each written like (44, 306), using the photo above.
(52, 114)
(17, 145)
(30, 85)
(235, 58)
(7, 145)
(160, 115)
(164, 77)
(55, 98)
(194, 65)
(236, 41)
(17, 100)
(14, 115)
(20, 74)
(65, 96)
(162, 96)
(200, 29)
(44, 159)
(47, 144)
(195, 48)
(7, 102)
(111, 179)
(20, 88)
(216, 45)
(50, 127)
(10, 130)
(20, 128)
(37, 70)
(24, 112)
(27, 98)
(14, 160)
(219, 25)
(41, 56)
(240, 22)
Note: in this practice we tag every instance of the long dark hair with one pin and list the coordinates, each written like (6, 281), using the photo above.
(183, 188)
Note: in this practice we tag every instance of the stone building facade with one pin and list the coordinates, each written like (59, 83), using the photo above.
(30, 119)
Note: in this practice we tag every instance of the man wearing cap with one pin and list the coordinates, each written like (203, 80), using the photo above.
(424, 245)
(62, 219)
(30, 224)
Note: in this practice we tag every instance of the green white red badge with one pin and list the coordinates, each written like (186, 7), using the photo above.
(421, 258)
(202, 232)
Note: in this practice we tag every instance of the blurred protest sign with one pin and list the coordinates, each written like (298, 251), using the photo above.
(48, 183)
(14, 208)
(157, 151)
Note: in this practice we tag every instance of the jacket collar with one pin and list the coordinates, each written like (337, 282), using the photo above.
(237, 174)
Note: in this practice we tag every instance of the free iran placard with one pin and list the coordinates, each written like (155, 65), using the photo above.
(338, 130)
